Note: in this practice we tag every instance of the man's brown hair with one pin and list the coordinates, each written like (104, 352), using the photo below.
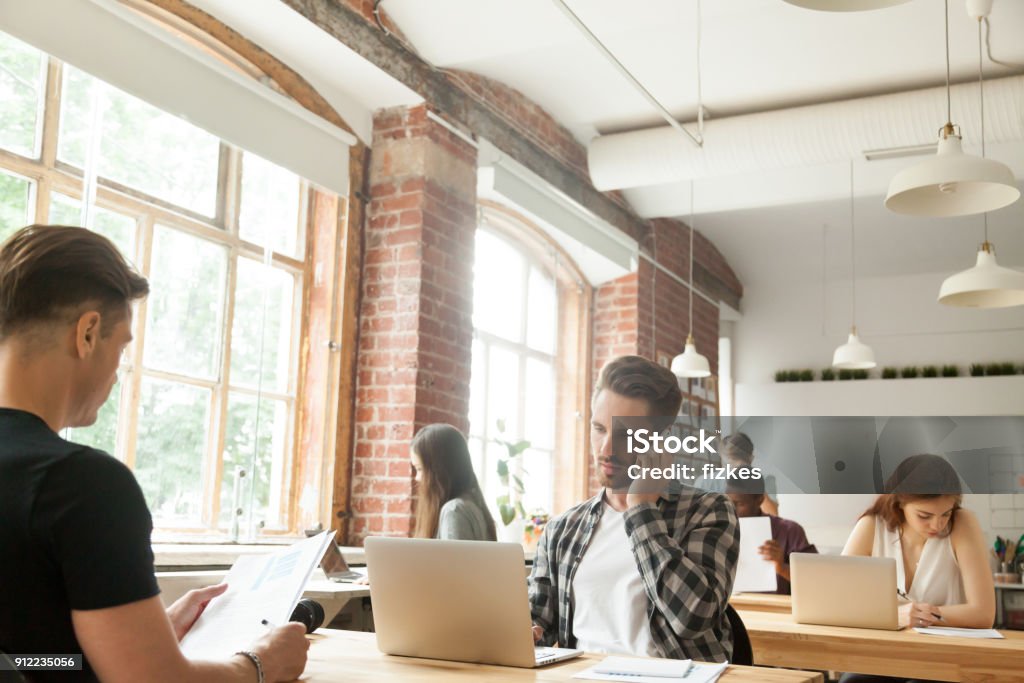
(638, 377)
(49, 272)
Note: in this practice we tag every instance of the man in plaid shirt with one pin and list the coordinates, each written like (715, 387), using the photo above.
(636, 570)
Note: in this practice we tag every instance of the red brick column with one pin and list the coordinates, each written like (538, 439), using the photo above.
(415, 343)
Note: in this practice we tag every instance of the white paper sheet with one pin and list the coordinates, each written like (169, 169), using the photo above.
(259, 587)
(959, 632)
(635, 666)
(753, 572)
(700, 672)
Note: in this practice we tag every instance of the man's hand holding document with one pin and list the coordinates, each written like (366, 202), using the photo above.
(262, 590)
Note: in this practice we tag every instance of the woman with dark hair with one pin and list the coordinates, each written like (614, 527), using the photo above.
(450, 504)
(941, 561)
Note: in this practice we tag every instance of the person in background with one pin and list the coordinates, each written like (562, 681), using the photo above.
(738, 451)
(451, 505)
(637, 569)
(941, 557)
(77, 569)
(787, 536)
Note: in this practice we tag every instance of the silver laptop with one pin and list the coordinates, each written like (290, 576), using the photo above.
(837, 590)
(463, 601)
(335, 567)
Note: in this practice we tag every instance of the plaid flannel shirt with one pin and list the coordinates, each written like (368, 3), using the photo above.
(686, 547)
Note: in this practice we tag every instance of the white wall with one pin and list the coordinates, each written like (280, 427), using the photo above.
(792, 326)
(789, 326)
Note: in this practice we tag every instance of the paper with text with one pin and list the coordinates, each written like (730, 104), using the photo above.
(259, 587)
(753, 572)
(699, 672)
(959, 632)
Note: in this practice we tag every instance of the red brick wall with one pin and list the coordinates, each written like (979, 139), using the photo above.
(416, 336)
(416, 310)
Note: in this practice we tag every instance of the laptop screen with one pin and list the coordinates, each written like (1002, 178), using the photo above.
(332, 562)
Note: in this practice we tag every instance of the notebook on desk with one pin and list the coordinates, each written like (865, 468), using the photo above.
(464, 601)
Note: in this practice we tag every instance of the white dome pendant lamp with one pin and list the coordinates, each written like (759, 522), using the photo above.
(952, 183)
(690, 363)
(987, 284)
(845, 5)
(854, 354)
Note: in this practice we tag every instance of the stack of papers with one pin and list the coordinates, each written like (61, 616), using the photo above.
(638, 670)
(259, 587)
(959, 632)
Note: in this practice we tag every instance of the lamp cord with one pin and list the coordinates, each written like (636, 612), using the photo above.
(690, 332)
(853, 257)
(700, 98)
(949, 107)
(981, 94)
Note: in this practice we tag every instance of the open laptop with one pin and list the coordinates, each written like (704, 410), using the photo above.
(463, 601)
(836, 590)
(335, 567)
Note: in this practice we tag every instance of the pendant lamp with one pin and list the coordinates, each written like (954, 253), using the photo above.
(987, 284)
(845, 5)
(690, 363)
(854, 354)
(952, 183)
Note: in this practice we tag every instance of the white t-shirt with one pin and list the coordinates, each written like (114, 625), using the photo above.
(609, 603)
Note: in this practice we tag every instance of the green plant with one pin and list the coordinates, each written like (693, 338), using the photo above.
(950, 371)
(845, 374)
(860, 374)
(977, 370)
(1008, 368)
(908, 372)
(510, 502)
(890, 373)
(993, 369)
(792, 375)
(828, 374)
(780, 376)
(807, 375)
(929, 371)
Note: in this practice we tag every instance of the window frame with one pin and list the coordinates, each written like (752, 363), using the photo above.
(570, 450)
(48, 175)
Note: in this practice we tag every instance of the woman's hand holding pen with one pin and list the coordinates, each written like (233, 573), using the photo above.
(923, 614)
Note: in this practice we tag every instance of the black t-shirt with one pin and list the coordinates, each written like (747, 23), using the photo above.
(74, 535)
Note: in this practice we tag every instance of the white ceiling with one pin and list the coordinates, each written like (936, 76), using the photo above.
(757, 55)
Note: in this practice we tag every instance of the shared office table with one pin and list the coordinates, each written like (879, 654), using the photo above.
(778, 641)
(351, 657)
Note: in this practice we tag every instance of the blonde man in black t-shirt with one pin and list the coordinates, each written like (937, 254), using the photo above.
(77, 569)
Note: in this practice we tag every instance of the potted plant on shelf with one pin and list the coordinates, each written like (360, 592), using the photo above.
(950, 371)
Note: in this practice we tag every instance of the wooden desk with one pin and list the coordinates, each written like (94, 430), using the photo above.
(350, 657)
(777, 641)
(762, 602)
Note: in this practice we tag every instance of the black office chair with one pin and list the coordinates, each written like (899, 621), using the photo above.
(742, 651)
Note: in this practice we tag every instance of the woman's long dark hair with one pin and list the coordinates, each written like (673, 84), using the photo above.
(919, 477)
(447, 474)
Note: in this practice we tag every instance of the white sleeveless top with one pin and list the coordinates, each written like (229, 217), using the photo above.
(937, 580)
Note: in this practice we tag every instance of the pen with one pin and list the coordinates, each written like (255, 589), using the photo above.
(267, 624)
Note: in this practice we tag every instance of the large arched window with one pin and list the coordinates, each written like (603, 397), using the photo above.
(531, 331)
